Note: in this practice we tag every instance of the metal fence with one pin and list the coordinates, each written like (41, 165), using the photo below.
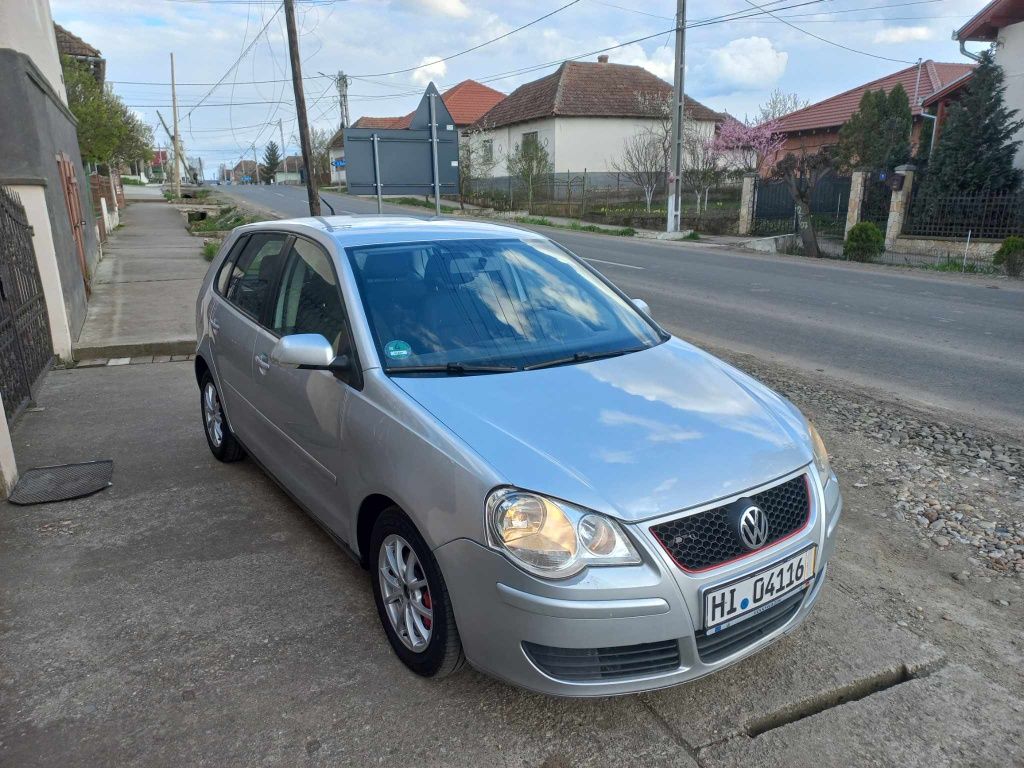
(25, 343)
(877, 200)
(775, 210)
(979, 215)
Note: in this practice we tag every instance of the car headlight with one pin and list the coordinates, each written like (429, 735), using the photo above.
(553, 538)
(820, 455)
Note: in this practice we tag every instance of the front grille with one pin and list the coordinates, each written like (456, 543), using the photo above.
(704, 540)
(605, 663)
(737, 637)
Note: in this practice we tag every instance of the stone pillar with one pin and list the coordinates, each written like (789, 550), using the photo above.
(857, 181)
(8, 469)
(747, 204)
(898, 205)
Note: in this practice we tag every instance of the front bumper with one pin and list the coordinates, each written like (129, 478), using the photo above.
(499, 607)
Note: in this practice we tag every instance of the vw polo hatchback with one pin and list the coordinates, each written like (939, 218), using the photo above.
(539, 479)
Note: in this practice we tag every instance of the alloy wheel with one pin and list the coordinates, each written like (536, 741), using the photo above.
(213, 414)
(405, 593)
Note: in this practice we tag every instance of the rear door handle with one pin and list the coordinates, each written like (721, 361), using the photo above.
(214, 324)
(263, 362)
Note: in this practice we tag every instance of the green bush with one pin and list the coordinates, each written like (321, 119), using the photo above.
(864, 242)
(1010, 256)
(210, 249)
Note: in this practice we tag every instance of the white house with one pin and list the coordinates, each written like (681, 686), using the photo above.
(1001, 22)
(582, 114)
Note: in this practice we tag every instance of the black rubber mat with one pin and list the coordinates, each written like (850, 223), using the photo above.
(63, 482)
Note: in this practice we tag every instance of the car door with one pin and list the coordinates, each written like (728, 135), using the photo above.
(306, 407)
(235, 316)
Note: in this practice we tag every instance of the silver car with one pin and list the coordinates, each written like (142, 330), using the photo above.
(540, 480)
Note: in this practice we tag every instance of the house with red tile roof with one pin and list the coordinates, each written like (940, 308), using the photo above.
(467, 102)
(582, 113)
(72, 45)
(818, 125)
(1000, 23)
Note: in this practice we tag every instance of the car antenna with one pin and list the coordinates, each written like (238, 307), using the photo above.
(327, 204)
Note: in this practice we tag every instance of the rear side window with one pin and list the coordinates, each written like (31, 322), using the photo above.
(254, 273)
(228, 265)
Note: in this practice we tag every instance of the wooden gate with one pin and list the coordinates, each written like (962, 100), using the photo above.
(26, 347)
(69, 183)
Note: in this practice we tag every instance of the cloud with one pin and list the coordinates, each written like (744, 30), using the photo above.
(455, 8)
(433, 70)
(902, 34)
(659, 63)
(748, 63)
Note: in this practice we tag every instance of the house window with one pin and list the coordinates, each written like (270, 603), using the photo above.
(487, 150)
(530, 140)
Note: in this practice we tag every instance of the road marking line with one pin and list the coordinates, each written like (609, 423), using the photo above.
(614, 263)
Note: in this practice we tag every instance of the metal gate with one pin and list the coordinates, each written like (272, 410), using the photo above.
(26, 348)
(874, 206)
(774, 211)
(69, 183)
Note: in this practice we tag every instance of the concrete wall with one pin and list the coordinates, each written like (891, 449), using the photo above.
(35, 125)
(337, 174)
(1010, 56)
(27, 26)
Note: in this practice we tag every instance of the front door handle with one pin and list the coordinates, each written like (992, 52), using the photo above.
(263, 362)
(214, 324)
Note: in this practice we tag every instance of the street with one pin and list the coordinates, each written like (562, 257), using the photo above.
(919, 337)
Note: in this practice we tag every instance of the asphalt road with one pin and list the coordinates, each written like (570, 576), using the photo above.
(930, 339)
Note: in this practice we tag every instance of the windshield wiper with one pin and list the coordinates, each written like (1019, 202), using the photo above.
(580, 357)
(453, 369)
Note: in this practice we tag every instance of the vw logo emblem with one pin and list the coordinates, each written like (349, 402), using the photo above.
(753, 527)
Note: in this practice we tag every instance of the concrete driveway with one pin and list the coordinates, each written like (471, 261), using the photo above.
(191, 615)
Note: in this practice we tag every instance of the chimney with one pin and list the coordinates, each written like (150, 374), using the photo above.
(602, 59)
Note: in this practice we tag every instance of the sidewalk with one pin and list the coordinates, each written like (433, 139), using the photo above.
(144, 291)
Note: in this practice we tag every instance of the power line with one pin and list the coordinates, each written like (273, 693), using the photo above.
(825, 40)
(475, 47)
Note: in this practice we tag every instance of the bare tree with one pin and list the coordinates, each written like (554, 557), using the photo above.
(778, 105)
(528, 162)
(476, 161)
(703, 165)
(643, 161)
(802, 171)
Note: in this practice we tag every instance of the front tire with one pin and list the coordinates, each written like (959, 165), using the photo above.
(412, 598)
(222, 441)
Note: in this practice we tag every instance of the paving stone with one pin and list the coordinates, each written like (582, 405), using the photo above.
(179, 358)
(92, 363)
(953, 717)
(161, 358)
(120, 361)
(143, 359)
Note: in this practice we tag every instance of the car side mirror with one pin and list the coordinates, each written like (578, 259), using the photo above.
(642, 306)
(303, 350)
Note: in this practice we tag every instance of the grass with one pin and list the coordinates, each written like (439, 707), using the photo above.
(957, 265)
(575, 226)
(210, 249)
(132, 182)
(420, 203)
(694, 235)
(227, 218)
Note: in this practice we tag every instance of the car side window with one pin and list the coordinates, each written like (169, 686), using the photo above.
(255, 271)
(229, 265)
(309, 300)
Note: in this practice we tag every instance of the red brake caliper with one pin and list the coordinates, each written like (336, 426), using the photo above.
(426, 604)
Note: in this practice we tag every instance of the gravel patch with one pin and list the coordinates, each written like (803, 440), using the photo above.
(950, 484)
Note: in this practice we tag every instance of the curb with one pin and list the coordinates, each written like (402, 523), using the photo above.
(139, 349)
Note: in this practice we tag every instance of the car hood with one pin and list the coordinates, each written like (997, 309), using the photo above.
(636, 436)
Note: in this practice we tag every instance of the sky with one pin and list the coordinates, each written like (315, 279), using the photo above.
(390, 49)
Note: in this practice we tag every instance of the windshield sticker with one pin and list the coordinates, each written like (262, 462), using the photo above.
(397, 349)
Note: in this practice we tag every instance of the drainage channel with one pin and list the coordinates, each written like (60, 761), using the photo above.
(836, 697)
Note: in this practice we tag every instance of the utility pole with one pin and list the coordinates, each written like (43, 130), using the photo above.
(675, 195)
(343, 98)
(284, 154)
(256, 160)
(177, 143)
(300, 107)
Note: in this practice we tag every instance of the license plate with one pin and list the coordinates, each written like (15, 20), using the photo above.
(748, 593)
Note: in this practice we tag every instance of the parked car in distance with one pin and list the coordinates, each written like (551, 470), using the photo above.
(509, 445)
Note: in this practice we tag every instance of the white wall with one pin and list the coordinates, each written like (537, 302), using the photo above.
(27, 26)
(574, 143)
(1010, 56)
(34, 199)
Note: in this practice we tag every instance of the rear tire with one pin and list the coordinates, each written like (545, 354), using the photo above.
(412, 598)
(222, 441)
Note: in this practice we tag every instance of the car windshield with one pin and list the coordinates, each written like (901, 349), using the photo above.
(489, 306)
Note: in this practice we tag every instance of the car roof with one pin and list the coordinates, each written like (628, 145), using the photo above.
(349, 231)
